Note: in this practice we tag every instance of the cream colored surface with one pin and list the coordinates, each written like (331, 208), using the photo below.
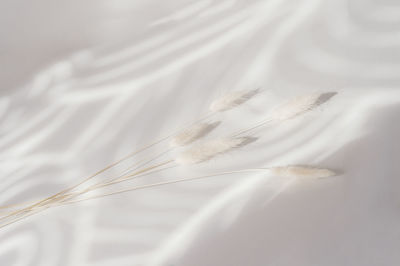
(83, 83)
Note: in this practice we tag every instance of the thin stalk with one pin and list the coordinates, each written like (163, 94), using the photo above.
(61, 195)
(240, 132)
(165, 183)
(129, 189)
(33, 204)
(136, 174)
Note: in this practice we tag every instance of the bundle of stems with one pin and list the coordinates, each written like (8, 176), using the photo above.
(198, 152)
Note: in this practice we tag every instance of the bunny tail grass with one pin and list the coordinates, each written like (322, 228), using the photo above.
(208, 149)
(295, 106)
(231, 100)
(192, 134)
(301, 171)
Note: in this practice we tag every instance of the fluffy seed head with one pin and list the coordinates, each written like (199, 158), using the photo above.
(231, 100)
(295, 106)
(192, 134)
(302, 171)
(205, 150)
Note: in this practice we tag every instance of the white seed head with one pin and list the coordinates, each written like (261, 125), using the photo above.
(205, 150)
(192, 134)
(231, 100)
(302, 171)
(295, 107)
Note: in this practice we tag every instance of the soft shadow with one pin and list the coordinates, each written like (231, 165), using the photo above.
(247, 141)
(250, 94)
(207, 130)
(325, 97)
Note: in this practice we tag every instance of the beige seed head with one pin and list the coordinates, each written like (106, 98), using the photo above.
(295, 107)
(192, 134)
(301, 171)
(231, 100)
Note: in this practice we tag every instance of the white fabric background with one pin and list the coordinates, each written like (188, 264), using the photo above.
(83, 83)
